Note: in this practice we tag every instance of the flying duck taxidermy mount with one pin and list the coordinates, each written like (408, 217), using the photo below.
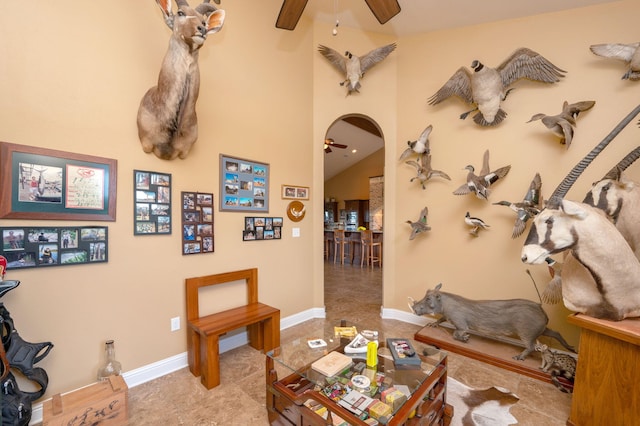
(291, 11)
(479, 184)
(352, 66)
(487, 87)
(562, 124)
(628, 53)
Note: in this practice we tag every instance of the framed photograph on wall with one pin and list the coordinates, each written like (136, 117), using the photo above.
(43, 246)
(291, 192)
(151, 203)
(244, 185)
(39, 183)
(262, 228)
(197, 223)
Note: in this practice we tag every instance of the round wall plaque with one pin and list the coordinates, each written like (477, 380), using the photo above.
(296, 211)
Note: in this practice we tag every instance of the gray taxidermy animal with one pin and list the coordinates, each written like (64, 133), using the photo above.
(424, 170)
(479, 184)
(488, 87)
(420, 225)
(519, 318)
(629, 53)
(529, 207)
(475, 223)
(419, 146)
(562, 125)
(167, 120)
(354, 67)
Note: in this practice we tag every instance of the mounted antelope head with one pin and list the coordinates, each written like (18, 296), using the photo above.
(167, 121)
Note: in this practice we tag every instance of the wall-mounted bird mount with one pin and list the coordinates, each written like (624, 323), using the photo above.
(424, 172)
(487, 87)
(352, 66)
(526, 209)
(475, 223)
(628, 53)
(167, 121)
(419, 146)
(419, 226)
(479, 184)
(562, 125)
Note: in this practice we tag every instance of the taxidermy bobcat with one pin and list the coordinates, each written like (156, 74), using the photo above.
(557, 364)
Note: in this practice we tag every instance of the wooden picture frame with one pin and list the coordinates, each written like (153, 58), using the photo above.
(197, 223)
(46, 184)
(293, 192)
(151, 203)
(262, 228)
(48, 246)
(244, 185)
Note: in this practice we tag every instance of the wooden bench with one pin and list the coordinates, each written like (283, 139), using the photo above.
(203, 333)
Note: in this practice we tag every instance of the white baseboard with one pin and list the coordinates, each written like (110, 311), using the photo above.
(165, 366)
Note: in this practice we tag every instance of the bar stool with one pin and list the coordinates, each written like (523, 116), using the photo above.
(341, 245)
(328, 240)
(368, 250)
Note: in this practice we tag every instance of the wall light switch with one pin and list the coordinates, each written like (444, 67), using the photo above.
(295, 232)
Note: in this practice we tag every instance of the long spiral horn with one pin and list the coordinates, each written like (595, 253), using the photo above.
(570, 179)
(623, 164)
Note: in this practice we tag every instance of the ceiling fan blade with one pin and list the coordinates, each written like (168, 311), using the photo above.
(290, 14)
(327, 149)
(338, 145)
(383, 9)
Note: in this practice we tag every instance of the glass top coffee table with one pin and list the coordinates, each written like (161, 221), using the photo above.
(406, 389)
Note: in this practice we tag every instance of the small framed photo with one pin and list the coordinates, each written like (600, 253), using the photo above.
(291, 192)
(152, 203)
(197, 223)
(262, 228)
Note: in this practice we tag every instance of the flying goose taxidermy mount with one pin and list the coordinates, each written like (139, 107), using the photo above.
(479, 184)
(629, 53)
(562, 125)
(352, 66)
(487, 87)
(291, 11)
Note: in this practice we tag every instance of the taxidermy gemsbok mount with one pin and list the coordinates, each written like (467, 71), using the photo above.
(167, 121)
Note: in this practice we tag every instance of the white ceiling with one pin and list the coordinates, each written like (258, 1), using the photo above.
(416, 16)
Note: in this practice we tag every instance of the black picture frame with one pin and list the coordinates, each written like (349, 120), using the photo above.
(48, 246)
(262, 228)
(46, 184)
(244, 185)
(197, 223)
(151, 203)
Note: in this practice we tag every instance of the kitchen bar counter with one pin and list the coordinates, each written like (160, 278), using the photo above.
(354, 245)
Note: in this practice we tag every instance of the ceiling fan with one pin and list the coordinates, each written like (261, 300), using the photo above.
(328, 143)
(291, 11)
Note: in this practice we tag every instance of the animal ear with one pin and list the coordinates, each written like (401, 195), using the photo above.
(438, 287)
(215, 21)
(167, 14)
(573, 209)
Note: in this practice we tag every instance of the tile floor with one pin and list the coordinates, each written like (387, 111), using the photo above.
(179, 398)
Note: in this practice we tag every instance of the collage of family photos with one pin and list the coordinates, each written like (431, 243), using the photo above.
(152, 203)
(31, 247)
(244, 185)
(197, 223)
(262, 228)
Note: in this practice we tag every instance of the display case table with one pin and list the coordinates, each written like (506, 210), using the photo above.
(295, 390)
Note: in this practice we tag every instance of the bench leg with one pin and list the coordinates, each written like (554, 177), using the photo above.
(193, 351)
(271, 328)
(210, 362)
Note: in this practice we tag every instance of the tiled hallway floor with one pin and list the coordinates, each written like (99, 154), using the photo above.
(179, 398)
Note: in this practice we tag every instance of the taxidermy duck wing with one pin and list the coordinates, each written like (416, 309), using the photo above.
(629, 53)
(336, 59)
(571, 111)
(525, 63)
(426, 164)
(419, 146)
(532, 197)
(459, 85)
(375, 56)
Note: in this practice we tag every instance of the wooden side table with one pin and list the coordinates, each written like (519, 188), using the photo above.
(606, 385)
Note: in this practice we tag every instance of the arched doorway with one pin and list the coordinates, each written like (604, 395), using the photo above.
(353, 182)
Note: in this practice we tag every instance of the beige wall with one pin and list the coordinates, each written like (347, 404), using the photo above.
(71, 79)
(353, 183)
